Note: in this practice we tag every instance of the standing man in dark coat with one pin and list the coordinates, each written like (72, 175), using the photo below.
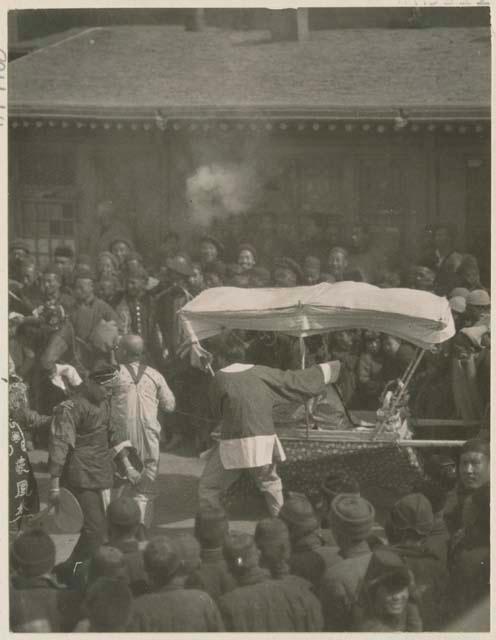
(473, 473)
(312, 549)
(88, 319)
(213, 575)
(242, 398)
(410, 522)
(81, 450)
(137, 315)
(170, 607)
(259, 603)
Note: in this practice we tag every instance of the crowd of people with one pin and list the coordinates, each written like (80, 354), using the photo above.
(72, 311)
(95, 372)
(332, 569)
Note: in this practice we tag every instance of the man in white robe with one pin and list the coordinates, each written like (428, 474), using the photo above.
(139, 395)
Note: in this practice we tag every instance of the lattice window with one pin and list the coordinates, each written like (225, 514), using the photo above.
(45, 224)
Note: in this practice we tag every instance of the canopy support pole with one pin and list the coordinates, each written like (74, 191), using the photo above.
(407, 379)
(303, 362)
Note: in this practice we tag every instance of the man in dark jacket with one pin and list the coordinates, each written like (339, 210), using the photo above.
(171, 608)
(213, 575)
(410, 522)
(352, 519)
(242, 399)
(259, 603)
(123, 520)
(473, 473)
(38, 603)
(81, 449)
(272, 539)
(312, 551)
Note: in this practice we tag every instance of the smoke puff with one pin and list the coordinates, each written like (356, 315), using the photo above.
(221, 190)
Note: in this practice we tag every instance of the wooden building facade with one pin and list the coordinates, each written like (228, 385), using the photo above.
(383, 150)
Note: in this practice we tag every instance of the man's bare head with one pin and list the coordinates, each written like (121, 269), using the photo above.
(131, 348)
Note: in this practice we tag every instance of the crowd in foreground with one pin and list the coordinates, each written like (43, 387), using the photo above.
(325, 567)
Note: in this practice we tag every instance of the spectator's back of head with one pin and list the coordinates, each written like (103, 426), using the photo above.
(33, 553)
(411, 518)
(123, 517)
(161, 560)
(352, 519)
(241, 553)
(272, 539)
(187, 549)
(211, 528)
(108, 605)
(299, 515)
(107, 562)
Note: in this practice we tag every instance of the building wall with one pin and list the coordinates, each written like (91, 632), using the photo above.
(404, 180)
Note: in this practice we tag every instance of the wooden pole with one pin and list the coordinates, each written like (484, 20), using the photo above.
(430, 443)
(434, 422)
(303, 356)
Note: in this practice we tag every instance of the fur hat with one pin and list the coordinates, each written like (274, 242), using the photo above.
(353, 516)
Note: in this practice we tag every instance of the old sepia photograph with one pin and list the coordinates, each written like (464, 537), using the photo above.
(249, 336)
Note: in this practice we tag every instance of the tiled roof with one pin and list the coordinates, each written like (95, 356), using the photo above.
(139, 69)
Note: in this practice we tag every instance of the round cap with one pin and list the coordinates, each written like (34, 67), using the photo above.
(478, 298)
(459, 292)
(271, 531)
(297, 511)
(352, 515)
(458, 304)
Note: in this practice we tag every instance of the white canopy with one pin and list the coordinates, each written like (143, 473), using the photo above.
(419, 317)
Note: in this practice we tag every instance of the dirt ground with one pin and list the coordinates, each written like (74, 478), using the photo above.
(176, 503)
(175, 506)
